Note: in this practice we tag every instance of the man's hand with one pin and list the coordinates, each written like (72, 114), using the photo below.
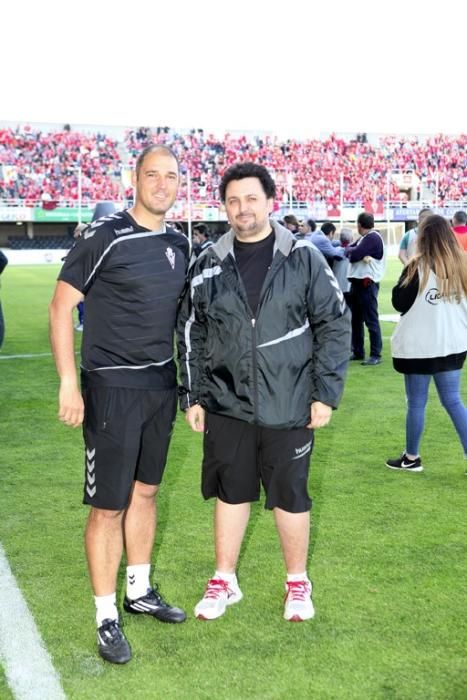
(320, 415)
(195, 418)
(70, 405)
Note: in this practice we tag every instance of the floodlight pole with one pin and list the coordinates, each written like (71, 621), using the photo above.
(289, 187)
(188, 198)
(79, 193)
(341, 187)
(388, 195)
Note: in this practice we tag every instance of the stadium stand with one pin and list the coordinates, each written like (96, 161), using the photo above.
(38, 166)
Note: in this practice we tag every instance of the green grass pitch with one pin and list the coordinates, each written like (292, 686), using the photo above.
(388, 550)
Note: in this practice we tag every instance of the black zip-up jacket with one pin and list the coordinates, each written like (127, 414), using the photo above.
(269, 369)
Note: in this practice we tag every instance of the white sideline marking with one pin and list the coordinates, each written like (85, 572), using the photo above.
(26, 662)
(27, 357)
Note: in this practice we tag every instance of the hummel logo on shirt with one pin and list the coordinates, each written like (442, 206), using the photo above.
(170, 257)
(121, 231)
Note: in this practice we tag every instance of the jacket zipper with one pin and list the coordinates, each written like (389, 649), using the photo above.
(255, 370)
(255, 358)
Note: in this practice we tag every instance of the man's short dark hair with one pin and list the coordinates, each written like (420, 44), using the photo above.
(328, 228)
(460, 218)
(366, 220)
(152, 148)
(291, 219)
(312, 224)
(239, 171)
(425, 211)
(201, 229)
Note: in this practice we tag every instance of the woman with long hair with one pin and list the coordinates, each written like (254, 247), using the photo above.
(430, 339)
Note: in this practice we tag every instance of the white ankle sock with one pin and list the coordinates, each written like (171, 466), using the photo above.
(137, 580)
(230, 578)
(298, 577)
(106, 608)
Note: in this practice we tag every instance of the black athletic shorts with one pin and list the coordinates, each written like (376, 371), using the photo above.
(126, 437)
(238, 457)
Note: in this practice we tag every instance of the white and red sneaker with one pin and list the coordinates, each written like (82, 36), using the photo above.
(298, 603)
(217, 596)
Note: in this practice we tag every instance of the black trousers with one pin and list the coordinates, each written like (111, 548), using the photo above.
(364, 307)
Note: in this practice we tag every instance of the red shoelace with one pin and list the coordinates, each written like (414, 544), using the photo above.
(215, 588)
(297, 590)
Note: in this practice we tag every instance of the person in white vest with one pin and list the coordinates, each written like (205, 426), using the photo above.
(430, 339)
(367, 258)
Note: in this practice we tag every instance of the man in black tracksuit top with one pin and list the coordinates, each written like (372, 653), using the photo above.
(264, 339)
(131, 269)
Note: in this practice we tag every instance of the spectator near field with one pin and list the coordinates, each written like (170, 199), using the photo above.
(322, 239)
(367, 265)
(306, 228)
(431, 294)
(263, 335)
(201, 239)
(131, 268)
(459, 226)
(408, 244)
(341, 266)
(3, 264)
(291, 222)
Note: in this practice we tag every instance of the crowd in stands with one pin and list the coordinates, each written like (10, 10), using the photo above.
(316, 166)
(43, 166)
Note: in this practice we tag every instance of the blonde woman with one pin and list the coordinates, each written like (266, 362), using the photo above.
(430, 339)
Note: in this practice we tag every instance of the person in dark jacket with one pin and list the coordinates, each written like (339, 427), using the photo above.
(264, 340)
(201, 239)
(3, 264)
(367, 258)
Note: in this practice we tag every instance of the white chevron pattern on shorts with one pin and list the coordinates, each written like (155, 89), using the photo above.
(91, 487)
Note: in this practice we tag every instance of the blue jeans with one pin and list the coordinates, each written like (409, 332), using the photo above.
(80, 308)
(448, 388)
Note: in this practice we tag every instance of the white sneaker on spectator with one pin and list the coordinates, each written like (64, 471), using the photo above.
(217, 596)
(298, 602)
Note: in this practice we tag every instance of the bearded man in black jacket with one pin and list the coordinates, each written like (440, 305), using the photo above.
(264, 340)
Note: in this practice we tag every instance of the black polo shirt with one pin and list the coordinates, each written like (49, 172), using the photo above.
(132, 279)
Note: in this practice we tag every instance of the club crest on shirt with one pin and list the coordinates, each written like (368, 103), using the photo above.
(170, 257)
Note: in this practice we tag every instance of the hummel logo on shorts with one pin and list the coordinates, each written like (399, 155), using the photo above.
(301, 451)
